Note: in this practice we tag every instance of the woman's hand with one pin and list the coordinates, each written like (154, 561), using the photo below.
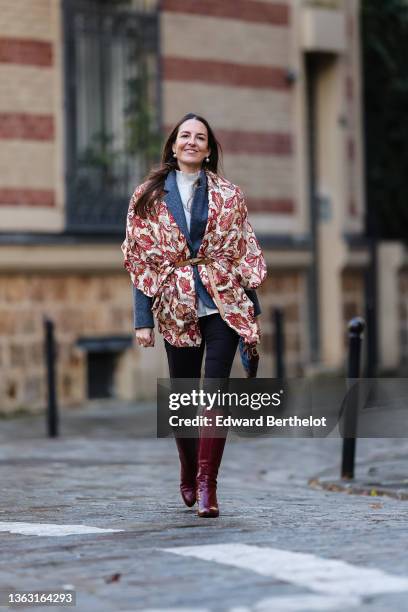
(145, 336)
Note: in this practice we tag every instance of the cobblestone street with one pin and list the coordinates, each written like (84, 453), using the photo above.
(108, 471)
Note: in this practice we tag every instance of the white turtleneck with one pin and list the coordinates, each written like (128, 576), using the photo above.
(185, 184)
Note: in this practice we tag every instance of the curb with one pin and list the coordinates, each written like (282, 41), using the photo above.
(354, 488)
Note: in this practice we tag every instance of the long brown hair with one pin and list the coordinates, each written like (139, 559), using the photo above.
(157, 176)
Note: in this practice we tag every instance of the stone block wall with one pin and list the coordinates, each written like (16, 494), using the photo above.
(79, 305)
(31, 115)
(286, 290)
(99, 305)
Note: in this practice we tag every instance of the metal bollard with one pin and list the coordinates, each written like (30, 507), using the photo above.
(50, 356)
(356, 328)
(279, 346)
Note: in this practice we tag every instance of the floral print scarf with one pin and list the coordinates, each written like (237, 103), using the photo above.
(154, 245)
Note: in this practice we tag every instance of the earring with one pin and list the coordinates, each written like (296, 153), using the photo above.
(207, 159)
(174, 155)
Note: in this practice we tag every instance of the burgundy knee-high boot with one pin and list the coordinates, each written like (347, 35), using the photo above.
(210, 453)
(188, 450)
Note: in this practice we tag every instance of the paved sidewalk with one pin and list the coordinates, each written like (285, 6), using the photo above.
(96, 419)
(383, 474)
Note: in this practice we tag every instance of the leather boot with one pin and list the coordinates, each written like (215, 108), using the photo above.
(187, 450)
(210, 453)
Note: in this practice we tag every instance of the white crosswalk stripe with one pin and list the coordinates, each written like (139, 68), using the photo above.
(301, 603)
(51, 529)
(341, 583)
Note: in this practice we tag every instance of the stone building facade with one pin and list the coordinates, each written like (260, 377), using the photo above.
(280, 83)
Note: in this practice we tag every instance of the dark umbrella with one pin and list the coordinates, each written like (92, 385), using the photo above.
(249, 357)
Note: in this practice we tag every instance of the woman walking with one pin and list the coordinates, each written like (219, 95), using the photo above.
(194, 262)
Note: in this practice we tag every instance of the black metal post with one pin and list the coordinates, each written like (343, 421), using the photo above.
(50, 356)
(356, 328)
(279, 348)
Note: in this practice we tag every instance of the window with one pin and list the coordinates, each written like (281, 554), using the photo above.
(112, 106)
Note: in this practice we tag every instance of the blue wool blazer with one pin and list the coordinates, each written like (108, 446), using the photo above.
(142, 304)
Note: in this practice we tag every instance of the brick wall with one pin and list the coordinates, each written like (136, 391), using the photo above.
(230, 66)
(29, 105)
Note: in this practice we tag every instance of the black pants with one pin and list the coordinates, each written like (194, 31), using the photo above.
(220, 342)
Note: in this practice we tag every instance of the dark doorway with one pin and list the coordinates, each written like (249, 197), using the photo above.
(316, 67)
(102, 361)
(101, 367)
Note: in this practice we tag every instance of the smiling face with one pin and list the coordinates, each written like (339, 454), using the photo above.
(191, 145)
